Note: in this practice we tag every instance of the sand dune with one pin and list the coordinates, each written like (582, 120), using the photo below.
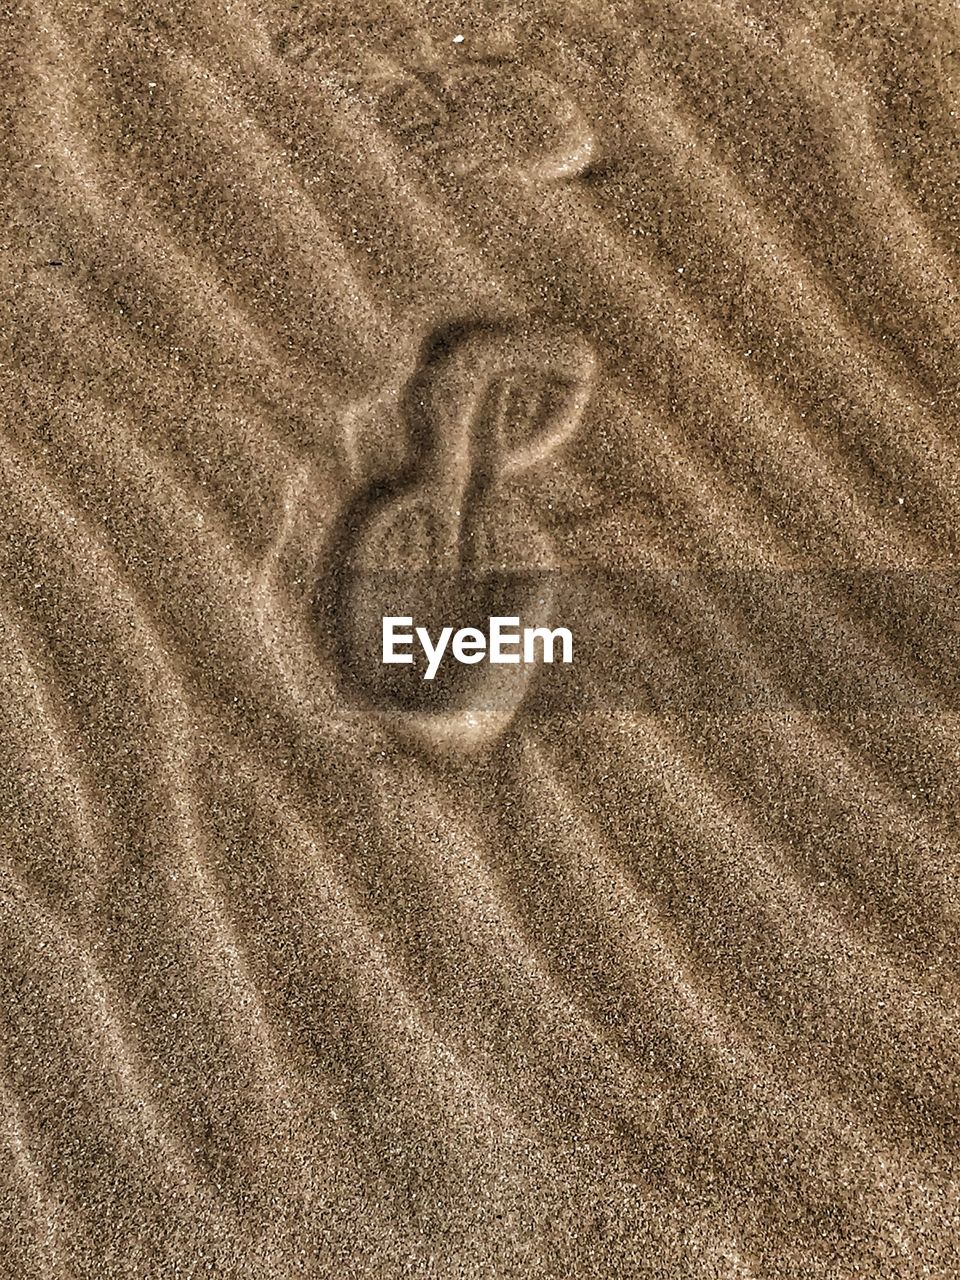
(642, 318)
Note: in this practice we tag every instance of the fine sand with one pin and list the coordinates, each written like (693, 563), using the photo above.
(637, 318)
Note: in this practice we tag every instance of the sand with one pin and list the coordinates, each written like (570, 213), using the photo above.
(638, 318)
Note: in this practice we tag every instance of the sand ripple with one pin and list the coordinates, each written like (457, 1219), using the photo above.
(661, 980)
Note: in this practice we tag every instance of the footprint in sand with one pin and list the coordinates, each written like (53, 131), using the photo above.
(488, 117)
(486, 114)
(456, 538)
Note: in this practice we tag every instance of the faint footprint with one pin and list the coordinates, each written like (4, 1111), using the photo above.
(456, 538)
(489, 117)
(486, 114)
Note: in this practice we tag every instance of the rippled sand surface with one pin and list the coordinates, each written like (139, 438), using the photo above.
(644, 967)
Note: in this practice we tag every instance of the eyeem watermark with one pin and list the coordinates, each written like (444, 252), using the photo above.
(505, 642)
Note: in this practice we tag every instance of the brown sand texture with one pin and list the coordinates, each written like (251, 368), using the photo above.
(639, 317)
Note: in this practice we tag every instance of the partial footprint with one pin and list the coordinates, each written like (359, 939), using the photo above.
(482, 115)
(455, 539)
(490, 117)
